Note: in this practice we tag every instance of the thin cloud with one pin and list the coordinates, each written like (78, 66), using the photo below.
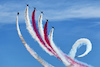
(94, 24)
(81, 12)
(8, 13)
(62, 11)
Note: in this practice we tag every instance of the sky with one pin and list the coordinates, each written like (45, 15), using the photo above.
(72, 19)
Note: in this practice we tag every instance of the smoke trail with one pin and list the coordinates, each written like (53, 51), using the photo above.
(35, 28)
(56, 49)
(33, 34)
(68, 61)
(32, 52)
(28, 24)
(40, 25)
(46, 36)
(78, 43)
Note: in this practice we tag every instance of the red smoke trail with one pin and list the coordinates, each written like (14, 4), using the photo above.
(46, 36)
(47, 40)
(36, 31)
(73, 62)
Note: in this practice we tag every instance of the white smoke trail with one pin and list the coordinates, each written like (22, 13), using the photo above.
(32, 52)
(31, 31)
(78, 43)
(40, 25)
(58, 51)
(68, 61)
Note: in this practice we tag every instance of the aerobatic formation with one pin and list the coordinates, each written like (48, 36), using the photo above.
(46, 42)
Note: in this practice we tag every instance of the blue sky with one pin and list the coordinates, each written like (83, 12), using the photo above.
(72, 19)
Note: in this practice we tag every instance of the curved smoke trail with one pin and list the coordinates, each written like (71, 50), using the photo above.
(40, 25)
(32, 52)
(78, 43)
(56, 49)
(67, 60)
